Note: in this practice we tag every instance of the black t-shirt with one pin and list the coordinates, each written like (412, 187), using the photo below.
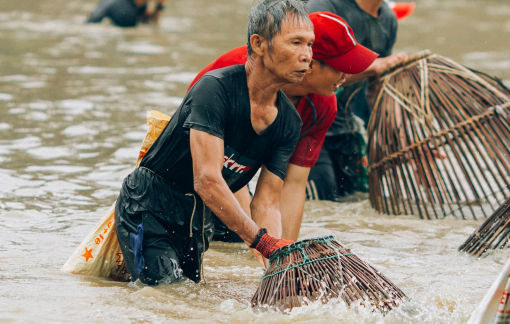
(378, 34)
(219, 104)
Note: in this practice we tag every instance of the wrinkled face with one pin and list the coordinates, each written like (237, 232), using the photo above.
(324, 80)
(291, 51)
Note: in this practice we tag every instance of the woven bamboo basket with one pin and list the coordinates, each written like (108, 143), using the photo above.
(438, 140)
(320, 269)
(492, 234)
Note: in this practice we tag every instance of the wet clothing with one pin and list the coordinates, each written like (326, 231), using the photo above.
(176, 225)
(219, 104)
(123, 13)
(223, 234)
(176, 229)
(338, 160)
(317, 114)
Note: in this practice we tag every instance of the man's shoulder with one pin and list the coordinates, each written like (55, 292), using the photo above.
(228, 77)
(238, 55)
(222, 83)
(228, 72)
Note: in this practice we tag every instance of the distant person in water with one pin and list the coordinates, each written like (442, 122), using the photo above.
(127, 13)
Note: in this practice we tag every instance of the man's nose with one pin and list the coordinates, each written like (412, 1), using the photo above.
(306, 55)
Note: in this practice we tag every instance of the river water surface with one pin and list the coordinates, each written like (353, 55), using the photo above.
(73, 100)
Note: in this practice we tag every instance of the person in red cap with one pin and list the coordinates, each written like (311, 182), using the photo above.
(336, 55)
(342, 164)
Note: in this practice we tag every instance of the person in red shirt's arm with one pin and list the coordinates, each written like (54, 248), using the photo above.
(336, 55)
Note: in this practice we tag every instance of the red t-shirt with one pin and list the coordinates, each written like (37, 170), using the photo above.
(315, 125)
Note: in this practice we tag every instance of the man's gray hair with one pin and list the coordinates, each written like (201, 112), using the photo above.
(266, 18)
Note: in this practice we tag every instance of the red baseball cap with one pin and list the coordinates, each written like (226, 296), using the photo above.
(336, 46)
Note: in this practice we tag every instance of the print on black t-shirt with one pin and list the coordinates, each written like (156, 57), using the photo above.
(235, 165)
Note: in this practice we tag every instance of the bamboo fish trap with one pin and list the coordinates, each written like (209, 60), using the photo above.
(430, 106)
(322, 269)
(492, 234)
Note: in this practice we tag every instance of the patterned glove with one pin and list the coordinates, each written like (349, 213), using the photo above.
(266, 244)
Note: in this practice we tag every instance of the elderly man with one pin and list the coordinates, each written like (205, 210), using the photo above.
(231, 123)
(336, 55)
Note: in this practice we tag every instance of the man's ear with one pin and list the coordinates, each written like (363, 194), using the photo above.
(313, 65)
(258, 44)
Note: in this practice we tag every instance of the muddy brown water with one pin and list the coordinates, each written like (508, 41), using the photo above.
(73, 100)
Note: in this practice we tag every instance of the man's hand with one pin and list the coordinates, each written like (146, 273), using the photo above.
(377, 68)
(266, 244)
(381, 64)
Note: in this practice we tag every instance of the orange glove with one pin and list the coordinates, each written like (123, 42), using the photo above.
(266, 244)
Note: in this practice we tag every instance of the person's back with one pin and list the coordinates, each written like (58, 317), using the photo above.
(126, 13)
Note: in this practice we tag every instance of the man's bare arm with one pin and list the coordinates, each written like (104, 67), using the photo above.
(376, 68)
(207, 155)
(293, 200)
(265, 206)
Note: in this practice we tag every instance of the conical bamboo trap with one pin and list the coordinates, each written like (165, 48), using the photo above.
(492, 234)
(430, 106)
(322, 269)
